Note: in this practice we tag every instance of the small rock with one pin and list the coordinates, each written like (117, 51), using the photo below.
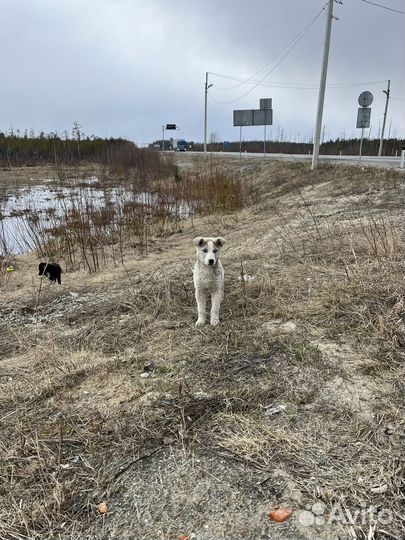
(280, 327)
(145, 375)
(168, 440)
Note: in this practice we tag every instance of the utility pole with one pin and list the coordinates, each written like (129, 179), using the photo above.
(321, 98)
(206, 111)
(387, 93)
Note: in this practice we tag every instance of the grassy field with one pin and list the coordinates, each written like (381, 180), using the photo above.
(109, 393)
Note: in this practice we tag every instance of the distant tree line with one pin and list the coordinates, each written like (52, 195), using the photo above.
(27, 149)
(349, 147)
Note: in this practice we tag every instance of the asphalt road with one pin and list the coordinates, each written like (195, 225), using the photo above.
(366, 161)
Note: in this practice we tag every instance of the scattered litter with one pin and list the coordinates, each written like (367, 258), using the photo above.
(145, 375)
(280, 514)
(201, 395)
(10, 269)
(103, 508)
(74, 294)
(167, 402)
(147, 368)
(246, 277)
(378, 490)
(274, 409)
(183, 537)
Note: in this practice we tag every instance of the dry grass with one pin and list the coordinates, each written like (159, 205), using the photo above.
(91, 224)
(188, 446)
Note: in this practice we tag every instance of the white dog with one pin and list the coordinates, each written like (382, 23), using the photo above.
(208, 277)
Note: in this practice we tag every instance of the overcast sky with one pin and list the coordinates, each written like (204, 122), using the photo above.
(125, 67)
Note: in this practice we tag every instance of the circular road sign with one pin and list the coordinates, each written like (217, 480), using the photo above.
(365, 99)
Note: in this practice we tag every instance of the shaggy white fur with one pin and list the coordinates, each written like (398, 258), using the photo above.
(208, 277)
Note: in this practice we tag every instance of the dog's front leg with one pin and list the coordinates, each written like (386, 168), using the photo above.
(201, 302)
(216, 299)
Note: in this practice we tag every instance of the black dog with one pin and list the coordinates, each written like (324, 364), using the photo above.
(51, 271)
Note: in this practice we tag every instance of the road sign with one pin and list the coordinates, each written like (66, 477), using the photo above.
(363, 117)
(365, 99)
(265, 103)
(171, 126)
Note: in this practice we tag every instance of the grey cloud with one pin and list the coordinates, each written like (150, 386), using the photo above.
(123, 68)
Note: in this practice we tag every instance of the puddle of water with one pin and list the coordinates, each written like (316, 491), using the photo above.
(38, 200)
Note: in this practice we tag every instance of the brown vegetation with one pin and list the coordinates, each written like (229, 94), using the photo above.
(109, 394)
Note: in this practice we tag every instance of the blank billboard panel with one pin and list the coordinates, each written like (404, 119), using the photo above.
(263, 117)
(243, 117)
(253, 117)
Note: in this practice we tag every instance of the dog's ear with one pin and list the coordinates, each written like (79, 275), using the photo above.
(199, 241)
(220, 241)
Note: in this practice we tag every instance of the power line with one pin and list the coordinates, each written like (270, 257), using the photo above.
(295, 85)
(272, 59)
(384, 7)
(253, 81)
(294, 42)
